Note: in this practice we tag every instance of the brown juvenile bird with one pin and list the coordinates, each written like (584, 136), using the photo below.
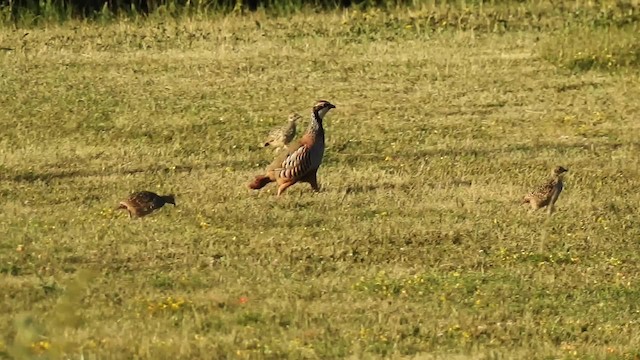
(282, 136)
(301, 160)
(547, 194)
(144, 203)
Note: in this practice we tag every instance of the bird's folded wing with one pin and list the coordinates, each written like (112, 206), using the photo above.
(144, 201)
(546, 189)
(293, 163)
(143, 198)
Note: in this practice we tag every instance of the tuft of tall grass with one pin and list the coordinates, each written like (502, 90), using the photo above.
(477, 15)
(585, 48)
(35, 11)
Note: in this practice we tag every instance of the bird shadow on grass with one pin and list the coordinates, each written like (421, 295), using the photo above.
(55, 174)
(46, 177)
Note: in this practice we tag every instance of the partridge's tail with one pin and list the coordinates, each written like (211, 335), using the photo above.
(259, 182)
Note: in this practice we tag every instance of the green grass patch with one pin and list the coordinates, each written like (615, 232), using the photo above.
(417, 245)
(594, 48)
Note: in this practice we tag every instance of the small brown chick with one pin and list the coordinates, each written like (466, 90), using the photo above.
(144, 203)
(548, 193)
(282, 136)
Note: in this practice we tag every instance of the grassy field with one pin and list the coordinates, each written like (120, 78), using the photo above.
(416, 247)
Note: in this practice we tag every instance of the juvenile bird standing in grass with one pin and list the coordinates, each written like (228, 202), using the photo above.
(548, 193)
(144, 203)
(300, 161)
(281, 136)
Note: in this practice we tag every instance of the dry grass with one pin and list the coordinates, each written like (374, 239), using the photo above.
(416, 247)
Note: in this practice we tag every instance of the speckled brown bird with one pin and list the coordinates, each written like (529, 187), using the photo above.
(301, 160)
(548, 193)
(144, 203)
(282, 135)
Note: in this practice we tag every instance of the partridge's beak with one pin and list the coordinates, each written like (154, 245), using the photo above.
(331, 106)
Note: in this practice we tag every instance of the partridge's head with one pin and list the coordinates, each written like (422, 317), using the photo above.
(322, 107)
(559, 170)
(293, 117)
(169, 199)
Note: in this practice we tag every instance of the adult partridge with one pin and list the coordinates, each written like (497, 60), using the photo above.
(282, 136)
(548, 193)
(144, 203)
(301, 160)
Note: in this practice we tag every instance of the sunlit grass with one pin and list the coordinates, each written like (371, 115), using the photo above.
(585, 48)
(417, 244)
